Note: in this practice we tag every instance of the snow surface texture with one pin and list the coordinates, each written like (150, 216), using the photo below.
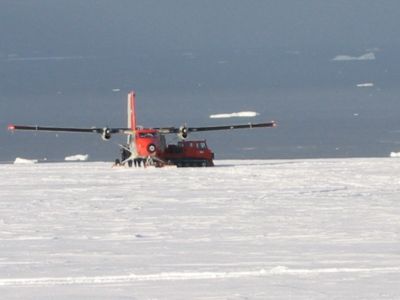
(296, 229)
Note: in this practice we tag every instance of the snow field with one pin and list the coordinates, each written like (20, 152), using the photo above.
(284, 229)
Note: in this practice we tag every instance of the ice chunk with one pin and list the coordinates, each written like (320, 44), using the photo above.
(77, 157)
(366, 56)
(367, 84)
(394, 154)
(241, 114)
(20, 160)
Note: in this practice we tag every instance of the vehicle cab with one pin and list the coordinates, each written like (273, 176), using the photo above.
(189, 153)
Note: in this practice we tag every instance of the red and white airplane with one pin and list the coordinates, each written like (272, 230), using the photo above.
(148, 145)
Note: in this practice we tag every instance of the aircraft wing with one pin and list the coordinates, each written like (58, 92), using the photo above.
(105, 132)
(227, 127)
(212, 128)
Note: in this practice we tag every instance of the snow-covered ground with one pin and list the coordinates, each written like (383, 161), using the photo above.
(283, 229)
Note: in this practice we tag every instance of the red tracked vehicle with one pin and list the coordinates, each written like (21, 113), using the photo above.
(189, 154)
(148, 145)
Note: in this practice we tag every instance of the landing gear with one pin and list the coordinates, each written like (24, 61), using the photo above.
(117, 163)
(137, 162)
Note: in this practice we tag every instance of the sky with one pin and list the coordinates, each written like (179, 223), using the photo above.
(71, 63)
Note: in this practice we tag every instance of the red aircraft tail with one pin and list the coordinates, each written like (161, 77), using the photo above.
(131, 111)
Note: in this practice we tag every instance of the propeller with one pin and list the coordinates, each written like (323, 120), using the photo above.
(183, 132)
(106, 134)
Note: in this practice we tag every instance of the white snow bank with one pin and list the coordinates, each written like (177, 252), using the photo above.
(367, 84)
(77, 157)
(235, 114)
(394, 154)
(20, 160)
(366, 56)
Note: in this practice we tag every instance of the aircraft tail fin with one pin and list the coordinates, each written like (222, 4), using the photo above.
(131, 111)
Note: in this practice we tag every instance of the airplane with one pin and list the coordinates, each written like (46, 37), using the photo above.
(148, 145)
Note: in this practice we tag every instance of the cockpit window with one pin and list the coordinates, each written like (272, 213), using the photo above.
(147, 134)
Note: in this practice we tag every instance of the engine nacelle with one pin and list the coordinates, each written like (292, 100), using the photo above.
(106, 134)
(183, 132)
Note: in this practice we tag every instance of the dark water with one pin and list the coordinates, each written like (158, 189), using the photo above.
(319, 108)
